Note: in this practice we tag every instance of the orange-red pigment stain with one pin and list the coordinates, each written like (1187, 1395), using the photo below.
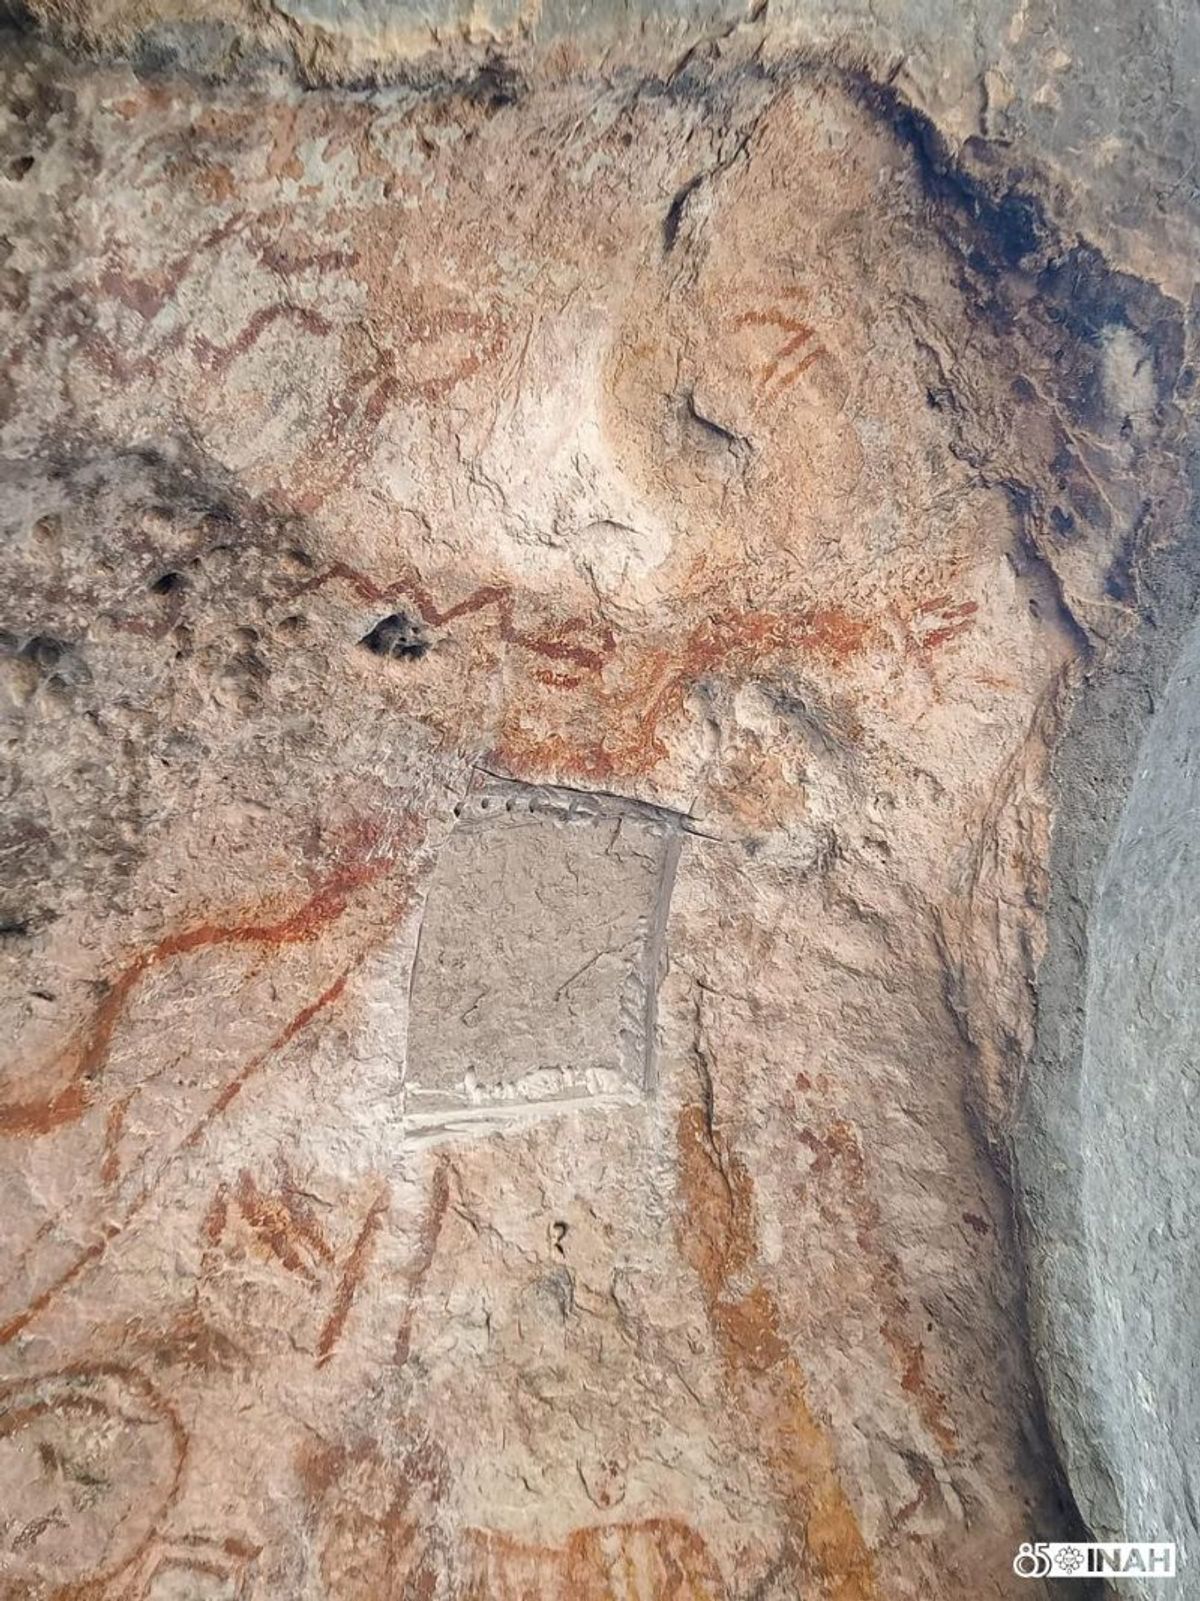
(954, 618)
(629, 689)
(652, 686)
(238, 1083)
(717, 1235)
(356, 1267)
(114, 1127)
(84, 1058)
(839, 1150)
(427, 1241)
(324, 906)
(93, 1253)
(282, 1224)
(100, 1581)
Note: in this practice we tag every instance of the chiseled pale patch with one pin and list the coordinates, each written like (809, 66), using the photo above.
(539, 951)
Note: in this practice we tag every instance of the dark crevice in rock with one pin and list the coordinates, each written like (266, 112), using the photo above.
(1030, 562)
(169, 583)
(1011, 225)
(675, 211)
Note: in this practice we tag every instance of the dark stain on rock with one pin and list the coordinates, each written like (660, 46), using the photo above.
(1000, 228)
(1009, 225)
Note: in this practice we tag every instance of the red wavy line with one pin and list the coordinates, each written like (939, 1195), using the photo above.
(498, 595)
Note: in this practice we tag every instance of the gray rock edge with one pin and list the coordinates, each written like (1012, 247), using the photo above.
(1093, 769)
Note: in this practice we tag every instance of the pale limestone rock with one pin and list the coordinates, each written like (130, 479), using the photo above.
(606, 1197)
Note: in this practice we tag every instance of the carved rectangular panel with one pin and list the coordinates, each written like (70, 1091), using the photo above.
(538, 961)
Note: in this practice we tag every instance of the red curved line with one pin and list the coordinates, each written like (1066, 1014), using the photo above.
(98, 1248)
(161, 1408)
(86, 1056)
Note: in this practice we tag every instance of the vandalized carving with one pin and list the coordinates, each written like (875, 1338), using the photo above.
(540, 953)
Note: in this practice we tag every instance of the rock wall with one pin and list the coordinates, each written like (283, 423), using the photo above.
(543, 588)
(1104, 1126)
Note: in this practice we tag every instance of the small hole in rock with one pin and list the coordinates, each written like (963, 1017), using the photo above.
(18, 168)
(396, 635)
(46, 652)
(168, 584)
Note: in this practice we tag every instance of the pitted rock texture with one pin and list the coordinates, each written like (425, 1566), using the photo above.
(714, 458)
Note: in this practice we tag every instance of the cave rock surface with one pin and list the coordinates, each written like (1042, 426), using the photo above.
(546, 573)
